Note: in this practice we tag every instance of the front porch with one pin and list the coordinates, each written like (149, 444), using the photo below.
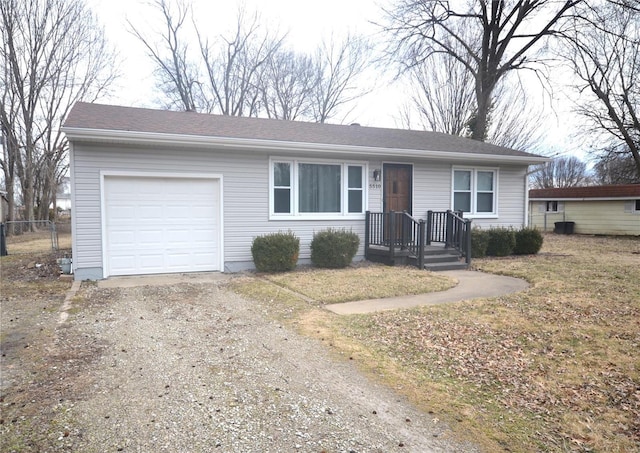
(442, 242)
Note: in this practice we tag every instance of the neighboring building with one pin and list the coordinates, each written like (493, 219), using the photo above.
(160, 191)
(63, 195)
(4, 207)
(613, 209)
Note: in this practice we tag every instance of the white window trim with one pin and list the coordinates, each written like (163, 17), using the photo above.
(474, 192)
(344, 191)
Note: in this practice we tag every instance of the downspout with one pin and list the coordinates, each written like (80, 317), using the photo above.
(527, 219)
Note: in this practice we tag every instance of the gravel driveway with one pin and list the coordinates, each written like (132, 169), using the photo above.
(193, 367)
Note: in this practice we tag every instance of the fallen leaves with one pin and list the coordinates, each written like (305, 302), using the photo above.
(560, 358)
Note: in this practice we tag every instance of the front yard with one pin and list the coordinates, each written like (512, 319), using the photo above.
(553, 368)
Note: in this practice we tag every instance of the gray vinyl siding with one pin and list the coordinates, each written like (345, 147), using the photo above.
(432, 191)
(431, 188)
(246, 196)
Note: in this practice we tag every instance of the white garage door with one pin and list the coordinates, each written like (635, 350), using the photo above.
(161, 225)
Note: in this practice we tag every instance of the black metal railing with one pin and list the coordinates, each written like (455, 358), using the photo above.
(401, 231)
(451, 229)
(397, 231)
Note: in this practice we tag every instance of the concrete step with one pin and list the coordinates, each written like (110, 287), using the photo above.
(431, 250)
(435, 267)
(443, 258)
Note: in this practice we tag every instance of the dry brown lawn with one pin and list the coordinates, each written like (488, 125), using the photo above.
(553, 368)
(37, 242)
(327, 286)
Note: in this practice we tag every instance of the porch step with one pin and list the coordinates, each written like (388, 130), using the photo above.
(436, 258)
(450, 266)
(440, 259)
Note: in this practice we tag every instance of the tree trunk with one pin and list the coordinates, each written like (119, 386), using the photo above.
(480, 123)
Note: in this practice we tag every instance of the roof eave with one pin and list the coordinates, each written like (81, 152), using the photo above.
(135, 137)
(620, 198)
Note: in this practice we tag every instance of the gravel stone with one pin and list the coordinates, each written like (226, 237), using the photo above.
(196, 368)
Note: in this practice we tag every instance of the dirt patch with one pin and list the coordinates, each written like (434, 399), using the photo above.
(28, 268)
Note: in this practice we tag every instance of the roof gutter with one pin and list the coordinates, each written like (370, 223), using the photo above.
(621, 198)
(149, 138)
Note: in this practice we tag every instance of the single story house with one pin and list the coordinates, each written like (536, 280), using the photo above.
(161, 191)
(610, 209)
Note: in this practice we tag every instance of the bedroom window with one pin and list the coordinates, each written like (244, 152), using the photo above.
(316, 189)
(552, 206)
(281, 187)
(474, 191)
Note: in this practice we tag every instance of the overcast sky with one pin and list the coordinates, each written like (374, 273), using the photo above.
(307, 23)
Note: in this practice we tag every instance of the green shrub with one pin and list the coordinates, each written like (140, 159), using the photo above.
(501, 242)
(276, 252)
(334, 248)
(479, 242)
(528, 241)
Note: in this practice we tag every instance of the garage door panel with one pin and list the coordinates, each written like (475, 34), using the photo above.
(201, 236)
(149, 239)
(178, 213)
(119, 213)
(126, 263)
(122, 239)
(149, 213)
(161, 225)
(151, 262)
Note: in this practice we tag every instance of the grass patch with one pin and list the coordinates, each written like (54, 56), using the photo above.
(553, 368)
(328, 286)
(37, 242)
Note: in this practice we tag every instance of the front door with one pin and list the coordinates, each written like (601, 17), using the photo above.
(397, 187)
(397, 196)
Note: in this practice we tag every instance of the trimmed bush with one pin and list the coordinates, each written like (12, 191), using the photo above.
(501, 242)
(334, 248)
(276, 252)
(479, 242)
(528, 241)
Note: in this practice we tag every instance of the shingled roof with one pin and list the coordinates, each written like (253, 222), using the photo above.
(609, 191)
(85, 118)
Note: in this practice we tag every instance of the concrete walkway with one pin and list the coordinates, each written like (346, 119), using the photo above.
(471, 285)
(161, 279)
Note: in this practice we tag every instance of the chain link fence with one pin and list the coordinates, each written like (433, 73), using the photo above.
(18, 237)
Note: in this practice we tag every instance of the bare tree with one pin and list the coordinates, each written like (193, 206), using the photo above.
(561, 173)
(604, 51)
(287, 83)
(177, 75)
(248, 73)
(514, 118)
(339, 65)
(53, 54)
(234, 66)
(613, 167)
(443, 99)
(442, 95)
(490, 39)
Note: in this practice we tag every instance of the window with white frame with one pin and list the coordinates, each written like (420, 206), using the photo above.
(474, 191)
(316, 188)
(552, 206)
